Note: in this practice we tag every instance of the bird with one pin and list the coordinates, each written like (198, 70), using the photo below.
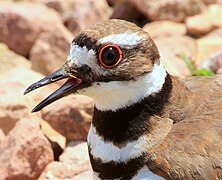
(147, 124)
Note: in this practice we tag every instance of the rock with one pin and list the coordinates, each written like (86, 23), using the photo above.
(168, 9)
(76, 152)
(219, 71)
(210, 20)
(56, 148)
(213, 62)
(207, 48)
(208, 2)
(59, 170)
(165, 29)
(125, 10)
(21, 24)
(10, 113)
(172, 51)
(9, 60)
(2, 139)
(52, 135)
(64, 8)
(214, 34)
(50, 50)
(92, 12)
(27, 151)
(70, 116)
(74, 163)
(16, 76)
(84, 175)
(115, 2)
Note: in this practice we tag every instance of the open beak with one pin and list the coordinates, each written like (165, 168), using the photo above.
(68, 87)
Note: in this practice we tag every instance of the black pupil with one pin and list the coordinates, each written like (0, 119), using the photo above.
(110, 56)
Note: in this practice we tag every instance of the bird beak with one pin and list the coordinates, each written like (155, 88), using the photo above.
(68, 87)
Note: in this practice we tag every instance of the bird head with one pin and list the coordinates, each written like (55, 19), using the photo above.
(114, 62)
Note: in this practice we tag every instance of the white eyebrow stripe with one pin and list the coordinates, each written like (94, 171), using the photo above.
(126, 39)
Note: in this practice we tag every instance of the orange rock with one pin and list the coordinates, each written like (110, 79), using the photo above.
(165, 29)
(2, 140)
(172, 50)
(92, 12)
(202, 24)
(122, 9)
(219, 71)
(207, 2)
(83, 176)
(76, 152)
(173, 10)
(208, 46)
(64, 8)
(74, 164)
(16, 75)
(50, 50)
(71, 116)
(27, 151)
(21, 24)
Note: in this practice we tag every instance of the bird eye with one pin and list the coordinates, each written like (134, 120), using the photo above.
(110, 56)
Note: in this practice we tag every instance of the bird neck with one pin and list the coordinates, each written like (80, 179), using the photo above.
(129, 123)
(119, 140)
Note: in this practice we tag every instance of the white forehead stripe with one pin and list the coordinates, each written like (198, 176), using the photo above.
(126, 39)
(80, 55)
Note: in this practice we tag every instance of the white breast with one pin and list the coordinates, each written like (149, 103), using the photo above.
(107, 151)
(146, 174)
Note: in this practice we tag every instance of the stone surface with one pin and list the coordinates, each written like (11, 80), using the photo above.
(70, 116)
(76, 152)
(58, 170)
(21, 24)
(219, 71)
(50, 50)
(214, 62)
(2, 139)
(168, 9)
(64, 8)
(74, 164)
(207, 48)
(124, 10)
(172, 51)
(83, 176)
(210, 20)
(16, 76)
(27, 152)
(52, 135)
(164, 29)
(207, 2)
(92, 12)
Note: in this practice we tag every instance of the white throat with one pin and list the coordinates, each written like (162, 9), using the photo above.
(115, 95)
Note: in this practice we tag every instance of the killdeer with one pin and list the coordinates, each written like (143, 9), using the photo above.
(147, 124)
